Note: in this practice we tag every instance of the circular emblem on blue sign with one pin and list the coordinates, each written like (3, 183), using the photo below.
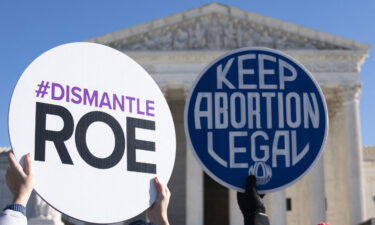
(256, 111)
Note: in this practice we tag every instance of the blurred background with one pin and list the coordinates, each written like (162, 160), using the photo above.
(174, 41)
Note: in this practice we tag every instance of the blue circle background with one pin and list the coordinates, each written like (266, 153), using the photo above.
(235, 178)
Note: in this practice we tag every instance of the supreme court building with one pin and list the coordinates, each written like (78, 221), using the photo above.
(175, 49)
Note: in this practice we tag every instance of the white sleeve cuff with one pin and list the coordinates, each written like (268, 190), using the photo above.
(11, 217)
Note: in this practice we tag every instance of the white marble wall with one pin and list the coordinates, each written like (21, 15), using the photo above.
(369, 172)
(194, 190)
(5, 195)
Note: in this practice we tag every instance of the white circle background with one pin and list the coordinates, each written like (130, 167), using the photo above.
(81, 191)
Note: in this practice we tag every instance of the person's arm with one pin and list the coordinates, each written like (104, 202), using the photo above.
(12, 217)
(251, 204)
(20, 182)
(157, 213)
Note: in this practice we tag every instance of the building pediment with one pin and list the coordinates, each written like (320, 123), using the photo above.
(220, 27)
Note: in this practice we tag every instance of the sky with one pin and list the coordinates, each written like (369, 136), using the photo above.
(29, 28)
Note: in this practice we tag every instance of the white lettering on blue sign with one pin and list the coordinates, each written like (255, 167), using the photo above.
(256, 111)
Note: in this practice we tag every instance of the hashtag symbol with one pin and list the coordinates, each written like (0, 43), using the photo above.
(42, 89)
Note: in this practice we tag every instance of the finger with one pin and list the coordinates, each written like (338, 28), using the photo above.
(13, 163)
(250, 183)
(159, 186)
(167, 191)
(28, 164)
(11, 159)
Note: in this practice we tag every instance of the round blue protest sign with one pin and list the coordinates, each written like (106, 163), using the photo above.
(256, 111)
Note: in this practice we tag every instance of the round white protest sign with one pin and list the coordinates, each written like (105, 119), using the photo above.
(98, 128)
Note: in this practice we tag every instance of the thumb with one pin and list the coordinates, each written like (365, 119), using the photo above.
(158, 186)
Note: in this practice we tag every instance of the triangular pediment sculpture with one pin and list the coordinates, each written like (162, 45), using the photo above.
(220, 27)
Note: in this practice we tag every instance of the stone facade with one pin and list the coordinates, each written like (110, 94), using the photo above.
(176, 48)
(369, 170)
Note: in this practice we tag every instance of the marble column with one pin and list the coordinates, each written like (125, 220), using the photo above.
(235, 215)
(317, 193)
(194, 190)
(39, 212)
(276, 210)
(354, 154)
(5, 194)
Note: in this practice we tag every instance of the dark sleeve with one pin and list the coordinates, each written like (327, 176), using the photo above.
(257, 219)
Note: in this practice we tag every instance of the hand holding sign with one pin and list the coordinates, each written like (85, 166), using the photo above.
(20, 180)
(158, 212)
(251, 205)
(256, 111)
